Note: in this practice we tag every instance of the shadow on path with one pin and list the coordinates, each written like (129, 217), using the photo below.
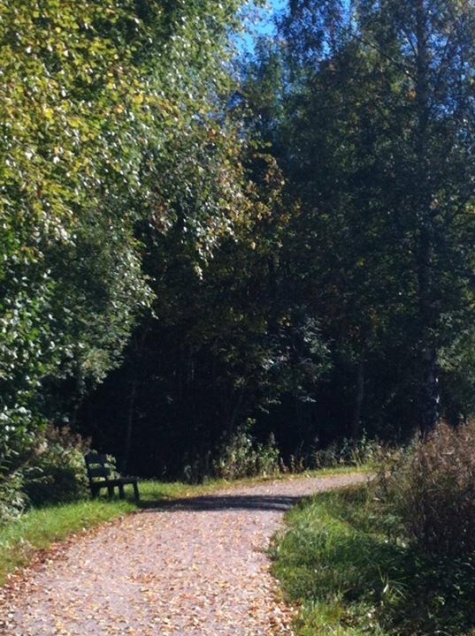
(265, 503)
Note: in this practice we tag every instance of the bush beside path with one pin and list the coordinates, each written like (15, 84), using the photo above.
(197, 566)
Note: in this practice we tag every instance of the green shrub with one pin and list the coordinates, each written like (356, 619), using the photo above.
(57, 471)
(430, 490)
(18, 444)
(347, 452)
(12, 498)
(242, 457)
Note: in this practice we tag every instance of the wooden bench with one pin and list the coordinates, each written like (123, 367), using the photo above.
(101, 475)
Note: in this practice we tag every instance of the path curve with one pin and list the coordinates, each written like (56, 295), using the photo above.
(197, 568)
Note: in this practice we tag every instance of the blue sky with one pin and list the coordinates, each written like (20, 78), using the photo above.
(274, 7)
(263, 24)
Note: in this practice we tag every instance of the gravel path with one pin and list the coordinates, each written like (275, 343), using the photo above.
(196, 568)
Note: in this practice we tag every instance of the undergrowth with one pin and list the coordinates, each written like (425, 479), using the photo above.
(241, 456)
(431, 488)
(396, 558)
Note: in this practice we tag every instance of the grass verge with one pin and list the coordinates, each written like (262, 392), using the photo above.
(341, 563)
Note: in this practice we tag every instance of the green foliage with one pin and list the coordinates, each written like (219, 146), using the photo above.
(111, 120)
(303, 234)
(364, 453)
(226, 342)
(56, 472)
(349, 452)
(62, 99)
(366, 121)
(13, 501)
(47, 468)
(242, 457)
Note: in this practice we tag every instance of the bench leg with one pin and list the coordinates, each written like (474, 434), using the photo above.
(110, 491)
(94, 492)
(121, 491)
(136, 491)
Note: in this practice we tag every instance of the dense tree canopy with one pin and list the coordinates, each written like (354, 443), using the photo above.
(377, 140)
(192, 244)
(111, 122)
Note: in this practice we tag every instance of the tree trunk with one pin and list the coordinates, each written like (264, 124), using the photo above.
(132, 399)
(429, 413)
(359, 398)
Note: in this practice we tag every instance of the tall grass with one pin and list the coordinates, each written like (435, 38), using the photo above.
(431, 488)
(336, 562)
(396, 558)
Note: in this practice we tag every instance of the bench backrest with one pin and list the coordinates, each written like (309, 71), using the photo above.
(98, 467)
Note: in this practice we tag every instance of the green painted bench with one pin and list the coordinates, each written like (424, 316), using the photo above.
(101, 475)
